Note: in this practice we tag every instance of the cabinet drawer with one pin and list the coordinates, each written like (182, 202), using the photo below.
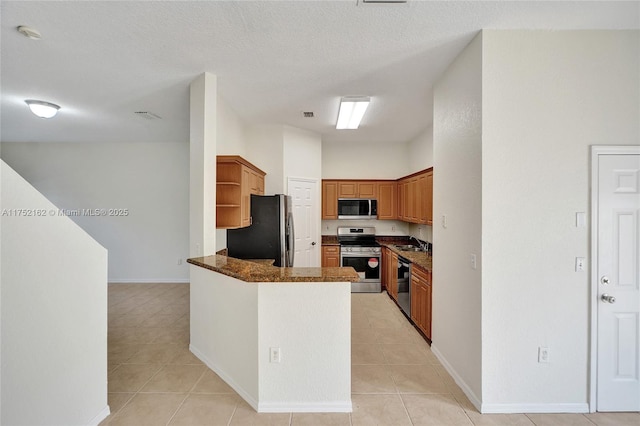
(421, 274)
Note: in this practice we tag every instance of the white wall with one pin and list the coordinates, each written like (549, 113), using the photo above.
(315, 369)
(421, 151)
(54, 314)
(224, 329)
(421, 157)
(365, 161)
(547, 96)
(457, 193)
(309, 322)
(230, 129)
(150, 180)
(302, 154)
(203, 136)
(265, 149)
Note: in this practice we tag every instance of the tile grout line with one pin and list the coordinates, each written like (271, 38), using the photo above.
(177, 409)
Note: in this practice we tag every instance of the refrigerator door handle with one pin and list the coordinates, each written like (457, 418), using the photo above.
(290, 239)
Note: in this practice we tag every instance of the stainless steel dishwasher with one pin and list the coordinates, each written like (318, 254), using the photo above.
(404, 285)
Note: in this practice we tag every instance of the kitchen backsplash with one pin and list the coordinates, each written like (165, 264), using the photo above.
(383, 227)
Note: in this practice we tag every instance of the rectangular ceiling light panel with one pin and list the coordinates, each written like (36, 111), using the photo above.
(351, 112)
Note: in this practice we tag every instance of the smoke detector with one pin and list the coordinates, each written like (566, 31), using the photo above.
(29, 32)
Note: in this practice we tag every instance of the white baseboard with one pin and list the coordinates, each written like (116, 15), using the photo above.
(224, 376)
(507, 408)
(473, 398)
(271, 407)
(103, 414)
(149, 281)
(309, 407)
(535, 408)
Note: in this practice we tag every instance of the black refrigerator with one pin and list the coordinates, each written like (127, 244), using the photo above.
(270, 235)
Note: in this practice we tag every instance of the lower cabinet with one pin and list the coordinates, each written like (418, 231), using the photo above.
(330, 256)
(421, 291)
(390, 272)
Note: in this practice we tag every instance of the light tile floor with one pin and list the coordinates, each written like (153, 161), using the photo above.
(396, 380)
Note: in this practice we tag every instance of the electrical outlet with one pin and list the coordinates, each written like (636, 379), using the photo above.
(474, 264)
(580, 264)
(179, 261)
(393, 228)
(543, 354)
(274, 355)
(444, 221)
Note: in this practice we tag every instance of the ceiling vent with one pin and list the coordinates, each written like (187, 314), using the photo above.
(307, 114)
(148, 115)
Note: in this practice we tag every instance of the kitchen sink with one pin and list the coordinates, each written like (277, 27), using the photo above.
(408, 247)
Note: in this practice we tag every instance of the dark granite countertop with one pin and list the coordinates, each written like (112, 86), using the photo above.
(263, 271)
(420, 258)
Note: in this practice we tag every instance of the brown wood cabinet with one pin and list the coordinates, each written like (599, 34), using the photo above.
(387, 199)
(415, 199)
(390, 272)
(329, 199)
(427, 205)
(330, 256)
(236, 180)
(409, 199)
(357, 189)
(421, 292)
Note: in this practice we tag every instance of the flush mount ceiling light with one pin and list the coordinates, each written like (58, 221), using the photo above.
(42, 109)
(351, 111)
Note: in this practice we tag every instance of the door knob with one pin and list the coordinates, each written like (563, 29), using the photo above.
(604, 280)
(313, 243)
(608, 298)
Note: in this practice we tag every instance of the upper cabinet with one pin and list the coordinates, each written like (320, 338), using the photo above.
(357, 189)
(236, 180)
(329, 199)
(383, 191)
(387, 199)
(409, 199)
(415, 201)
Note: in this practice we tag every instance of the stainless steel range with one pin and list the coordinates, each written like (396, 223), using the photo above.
(359, 249)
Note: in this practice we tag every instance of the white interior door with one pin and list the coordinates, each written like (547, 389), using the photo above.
(617, 275)
(305, 205)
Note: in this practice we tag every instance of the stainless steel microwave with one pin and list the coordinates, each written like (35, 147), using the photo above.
(357, 208)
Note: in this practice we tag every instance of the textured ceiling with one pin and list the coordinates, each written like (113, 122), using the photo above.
(102, 61)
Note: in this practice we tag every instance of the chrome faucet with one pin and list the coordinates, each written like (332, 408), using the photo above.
(423, 246)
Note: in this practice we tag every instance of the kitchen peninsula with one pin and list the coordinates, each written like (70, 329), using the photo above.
(280, 337)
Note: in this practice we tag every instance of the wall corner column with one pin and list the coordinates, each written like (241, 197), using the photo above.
(202, 165)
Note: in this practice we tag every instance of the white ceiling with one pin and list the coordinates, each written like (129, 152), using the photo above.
(102, 61)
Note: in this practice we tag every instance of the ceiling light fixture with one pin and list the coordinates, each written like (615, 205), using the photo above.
(42, 109)
(351, 111)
